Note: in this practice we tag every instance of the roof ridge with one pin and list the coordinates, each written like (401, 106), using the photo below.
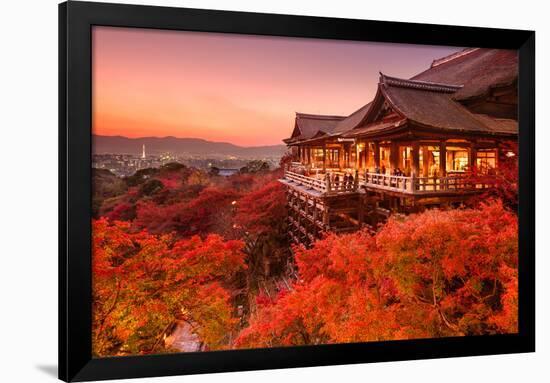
(417, 84)
(452, 56)
(319, 116)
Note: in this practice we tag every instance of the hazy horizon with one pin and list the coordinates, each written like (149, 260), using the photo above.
(239, 89)
(185, 138)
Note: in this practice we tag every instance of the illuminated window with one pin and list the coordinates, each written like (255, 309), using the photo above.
(486, 160)
(405, 159)
(459, 160)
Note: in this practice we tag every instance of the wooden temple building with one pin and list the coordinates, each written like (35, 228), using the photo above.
(434, 140)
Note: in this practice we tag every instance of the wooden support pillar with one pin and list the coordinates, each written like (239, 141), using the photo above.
(309, 155)
(326, 217)
(324, 156)
(314, 214)
(358, 154)
(415, 159)
(472, 159)
(394, 156)
(374, 215)
(426, 155)
(348, 157)
(376, 146)
(442, 158)
(366, 155)
(341, 156)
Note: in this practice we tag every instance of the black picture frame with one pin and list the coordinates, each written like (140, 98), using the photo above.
(75, 311)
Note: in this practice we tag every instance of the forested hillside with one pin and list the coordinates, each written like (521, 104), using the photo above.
(181, 252)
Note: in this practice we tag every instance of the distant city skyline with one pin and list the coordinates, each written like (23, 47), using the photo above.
(238, 89)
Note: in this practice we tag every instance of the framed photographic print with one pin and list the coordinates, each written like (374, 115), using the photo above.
(249, 191)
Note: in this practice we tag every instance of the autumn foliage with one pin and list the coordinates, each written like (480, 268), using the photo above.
(176, 244)
(166, 250)
(142, 283)
(262, 210)
(210, 211)
(439, 273)
(505, 178)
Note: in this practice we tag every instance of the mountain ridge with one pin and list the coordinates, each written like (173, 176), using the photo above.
(186, 145)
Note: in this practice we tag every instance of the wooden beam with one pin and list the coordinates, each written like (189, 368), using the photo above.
(415, 159)
(394, 156)
(326, 217)
(341, 157)
(361, 211)
(324, 156)
(426, 155)
(442, 158)
(376, 146)
(472, 158)
(357, 155)
(367, 154)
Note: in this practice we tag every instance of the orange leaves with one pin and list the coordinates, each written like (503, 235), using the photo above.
(209, 258)
(169, 260)
(506, 319)
(343, 257)
(142, 283)
(439, 273)
(190, 202)
(334, 301)
(262, 210)
(209, 212)
(451, 260)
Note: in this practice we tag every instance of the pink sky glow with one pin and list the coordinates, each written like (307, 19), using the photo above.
(234, 88)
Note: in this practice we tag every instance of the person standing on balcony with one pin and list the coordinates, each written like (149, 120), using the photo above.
(345, 181)
(349, 181)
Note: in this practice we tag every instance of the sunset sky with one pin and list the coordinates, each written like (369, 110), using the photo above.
(234, 88)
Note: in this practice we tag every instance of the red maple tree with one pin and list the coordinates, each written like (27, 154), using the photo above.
(143, 283)
(439, 273)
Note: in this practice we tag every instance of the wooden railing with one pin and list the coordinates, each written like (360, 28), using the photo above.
(418, 185)
(308, 182)
(329, 183)
(338, 183)
(452, 183)
(335, 183)
(384, 181)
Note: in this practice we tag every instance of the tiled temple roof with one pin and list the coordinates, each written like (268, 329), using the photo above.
(309, 125)
(353, 120)
(431, 105)
(429, 99)
(478, 70)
